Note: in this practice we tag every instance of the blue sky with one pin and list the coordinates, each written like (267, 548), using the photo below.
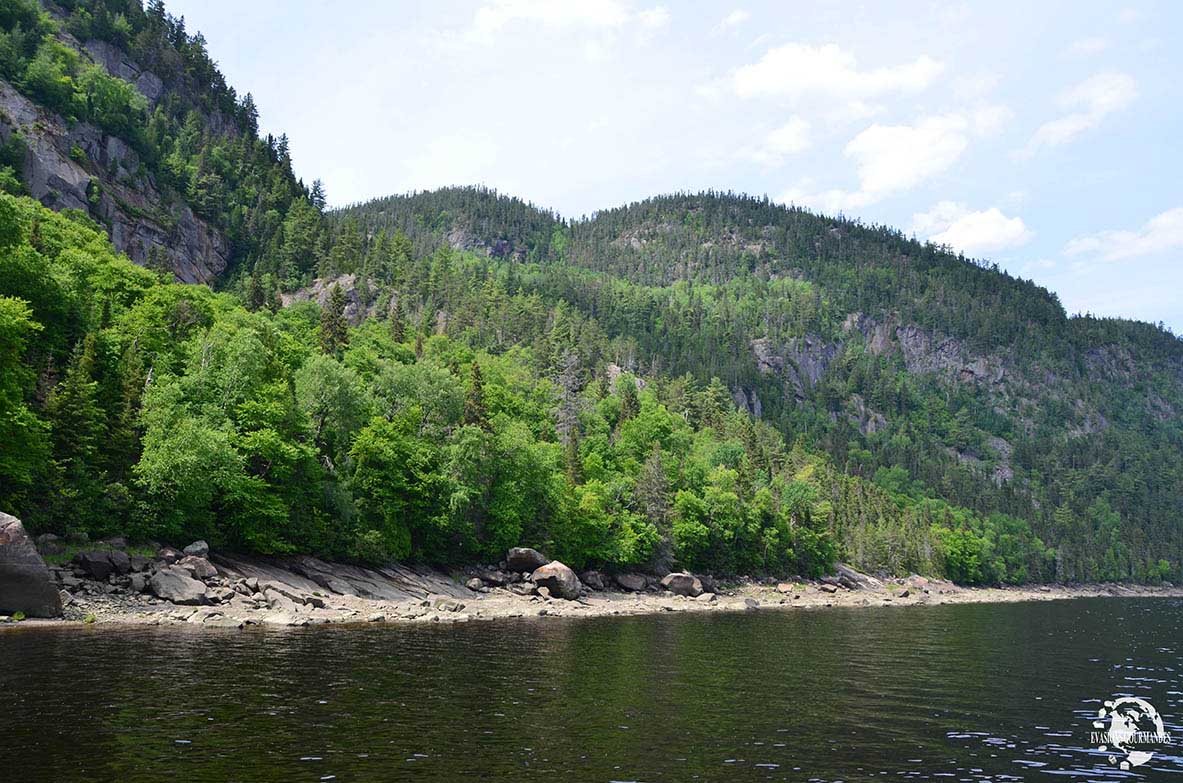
(1043, 136)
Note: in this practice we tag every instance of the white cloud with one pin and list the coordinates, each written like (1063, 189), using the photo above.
(789, 139)
(1083, 47)
(654, 18)
(794, 70)
(989, 120)
(970, 232)
(890, 159)
(734, 19)
(1085, 106)
(1161, 233)
(494, 17)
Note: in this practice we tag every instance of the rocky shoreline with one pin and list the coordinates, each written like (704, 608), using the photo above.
(192, 587)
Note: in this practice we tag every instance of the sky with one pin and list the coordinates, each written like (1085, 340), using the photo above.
(1044, 137)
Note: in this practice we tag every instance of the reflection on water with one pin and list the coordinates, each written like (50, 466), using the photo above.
(973, 692)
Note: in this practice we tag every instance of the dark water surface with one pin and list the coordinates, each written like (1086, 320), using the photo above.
(971, 692)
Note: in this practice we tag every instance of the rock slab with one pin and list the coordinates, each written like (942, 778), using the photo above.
(24, 580)
(176, 585)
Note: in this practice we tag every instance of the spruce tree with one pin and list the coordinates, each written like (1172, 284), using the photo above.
(334, 331)
(398, 331)
(475, 412)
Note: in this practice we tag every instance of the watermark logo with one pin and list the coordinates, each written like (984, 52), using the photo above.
(1129, 729)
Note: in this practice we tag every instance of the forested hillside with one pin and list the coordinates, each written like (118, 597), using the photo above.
(115, 109)
(710, 381)
(927, 373)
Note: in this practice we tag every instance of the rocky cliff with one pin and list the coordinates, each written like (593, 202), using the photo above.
(77, 166)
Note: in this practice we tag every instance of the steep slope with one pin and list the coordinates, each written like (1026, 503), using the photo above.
(117, 111)
(930, 373)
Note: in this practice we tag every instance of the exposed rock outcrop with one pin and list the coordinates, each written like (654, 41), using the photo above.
(79, 167)
(25, 585)
(357, 306)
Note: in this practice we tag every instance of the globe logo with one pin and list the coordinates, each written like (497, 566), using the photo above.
(1129, 728)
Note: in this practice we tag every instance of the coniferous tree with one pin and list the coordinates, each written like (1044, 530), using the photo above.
(475, 412)
(334, 330)
(398, 331)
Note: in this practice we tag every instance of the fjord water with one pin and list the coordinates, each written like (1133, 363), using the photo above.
(969, 692)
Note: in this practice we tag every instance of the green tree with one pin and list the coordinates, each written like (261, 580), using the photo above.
(334, 330)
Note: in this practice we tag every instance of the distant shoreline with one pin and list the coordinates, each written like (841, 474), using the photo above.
(499, 604)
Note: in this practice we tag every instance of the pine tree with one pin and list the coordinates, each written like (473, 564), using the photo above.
(334, 331)
(77, 424)
(630, 403)
(475, 412)
(398, 327)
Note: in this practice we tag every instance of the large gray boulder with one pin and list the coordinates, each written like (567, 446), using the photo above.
(523, 559)
(99, 564)
(682, 583)
(197, 549)
(200, 568)
(560, 580)
(634, 583)
(176, 585)
(24, 580)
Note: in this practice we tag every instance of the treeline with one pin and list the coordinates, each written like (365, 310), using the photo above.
(1086, 410)
(199, 141)
(138, 407)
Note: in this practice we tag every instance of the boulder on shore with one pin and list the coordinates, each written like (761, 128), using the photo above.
(682, 583)
(197, 549)
(168, 555)
(593, 579)
(560, 580)
(101, 563)
(524, 559)
(174, 584)
(199, 567)
(24, 580)
(634, 583)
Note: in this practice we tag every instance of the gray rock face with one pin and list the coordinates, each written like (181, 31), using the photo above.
(25, 585)
(525, 559)
(143, 224)
(682, 583)
(176, 585)
(560, 580)
(357, 309)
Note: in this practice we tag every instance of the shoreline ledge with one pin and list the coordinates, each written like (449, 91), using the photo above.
(107, 588)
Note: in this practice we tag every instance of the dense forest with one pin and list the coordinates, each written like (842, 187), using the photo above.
(710, 381)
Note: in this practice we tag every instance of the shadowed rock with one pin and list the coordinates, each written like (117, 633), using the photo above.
(24, 579)
(522, 559)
